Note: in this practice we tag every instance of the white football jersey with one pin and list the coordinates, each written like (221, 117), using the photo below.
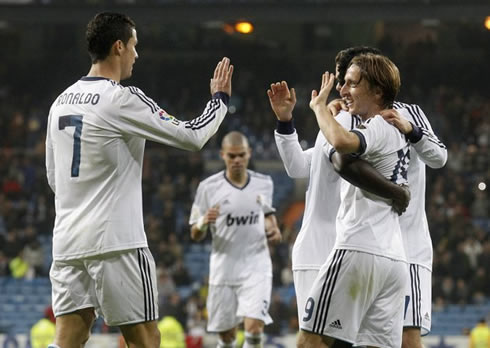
(321, 203)
(316, 237)
(367, 222)
(94, 151)
(428, 149)
(239, 243)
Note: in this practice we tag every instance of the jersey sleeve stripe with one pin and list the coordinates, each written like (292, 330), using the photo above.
(208, 115)
(211, 107)
(153, 107)
(433, 138)
(418, 112)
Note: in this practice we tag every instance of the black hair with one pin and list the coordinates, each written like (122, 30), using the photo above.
(343, 58)
(105, 29)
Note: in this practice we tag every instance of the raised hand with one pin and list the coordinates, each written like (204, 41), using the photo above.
(282, 100)
(319, 99)
(221, 81)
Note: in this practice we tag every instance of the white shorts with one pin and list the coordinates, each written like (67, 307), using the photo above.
(358, 298)
(227, 305)
(121, 286)
(303, 283)
(418, 299)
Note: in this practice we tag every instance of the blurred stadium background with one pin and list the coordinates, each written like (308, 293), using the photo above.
(442, 48)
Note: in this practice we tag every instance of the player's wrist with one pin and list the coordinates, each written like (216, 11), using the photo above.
(201, 224)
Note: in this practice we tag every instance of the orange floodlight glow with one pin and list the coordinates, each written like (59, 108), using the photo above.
(487, 22)
(244, 27)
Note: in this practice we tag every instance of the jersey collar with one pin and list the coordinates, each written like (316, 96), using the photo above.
(93, 78)
(235, 186)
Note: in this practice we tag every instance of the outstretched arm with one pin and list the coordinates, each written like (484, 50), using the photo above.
(296, 161)
(361, 174)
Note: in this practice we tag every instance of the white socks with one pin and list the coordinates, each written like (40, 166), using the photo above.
(253, 340)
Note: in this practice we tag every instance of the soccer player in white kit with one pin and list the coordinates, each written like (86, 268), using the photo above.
(358, 294)
(94, 151)
(235, 205)
(322, 201)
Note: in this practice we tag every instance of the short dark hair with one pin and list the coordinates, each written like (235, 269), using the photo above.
(343, 58)
(105, 29)
(380, 72)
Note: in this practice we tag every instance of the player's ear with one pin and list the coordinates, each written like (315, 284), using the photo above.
(222, 155)
(118, 47)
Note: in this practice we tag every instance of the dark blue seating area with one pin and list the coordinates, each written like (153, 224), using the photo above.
(454, 319)
(22, 303)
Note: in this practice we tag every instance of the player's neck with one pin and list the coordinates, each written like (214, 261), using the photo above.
(371, 113)
(237, 179)
(105, 69)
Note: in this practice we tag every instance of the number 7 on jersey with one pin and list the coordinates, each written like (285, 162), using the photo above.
(73, 121)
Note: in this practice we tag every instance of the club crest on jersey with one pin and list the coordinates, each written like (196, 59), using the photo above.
(166, 117)
(260, 199)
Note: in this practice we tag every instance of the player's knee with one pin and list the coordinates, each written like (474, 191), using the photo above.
(254, 326)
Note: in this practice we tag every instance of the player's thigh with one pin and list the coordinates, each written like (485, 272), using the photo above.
(303, 282)
(141, 335)
(310, 340)
(222, 307)
(339, 296)
(72, 287)
(254, 298)
(418, 299)
(411, 338)
(382, 324)
(126, 286)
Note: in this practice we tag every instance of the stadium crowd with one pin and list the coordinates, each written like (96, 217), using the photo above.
(457, 198)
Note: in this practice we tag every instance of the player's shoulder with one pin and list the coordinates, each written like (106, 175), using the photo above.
(411, 108)
(412, 112)
(214, 179)
(256, 176)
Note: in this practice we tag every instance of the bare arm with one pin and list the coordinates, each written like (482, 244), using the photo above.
(361, 174)
(342, 140)
(272, 230)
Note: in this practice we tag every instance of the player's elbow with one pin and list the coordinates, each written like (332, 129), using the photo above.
(438, 161)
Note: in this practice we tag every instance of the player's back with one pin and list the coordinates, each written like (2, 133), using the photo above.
(95, 171)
